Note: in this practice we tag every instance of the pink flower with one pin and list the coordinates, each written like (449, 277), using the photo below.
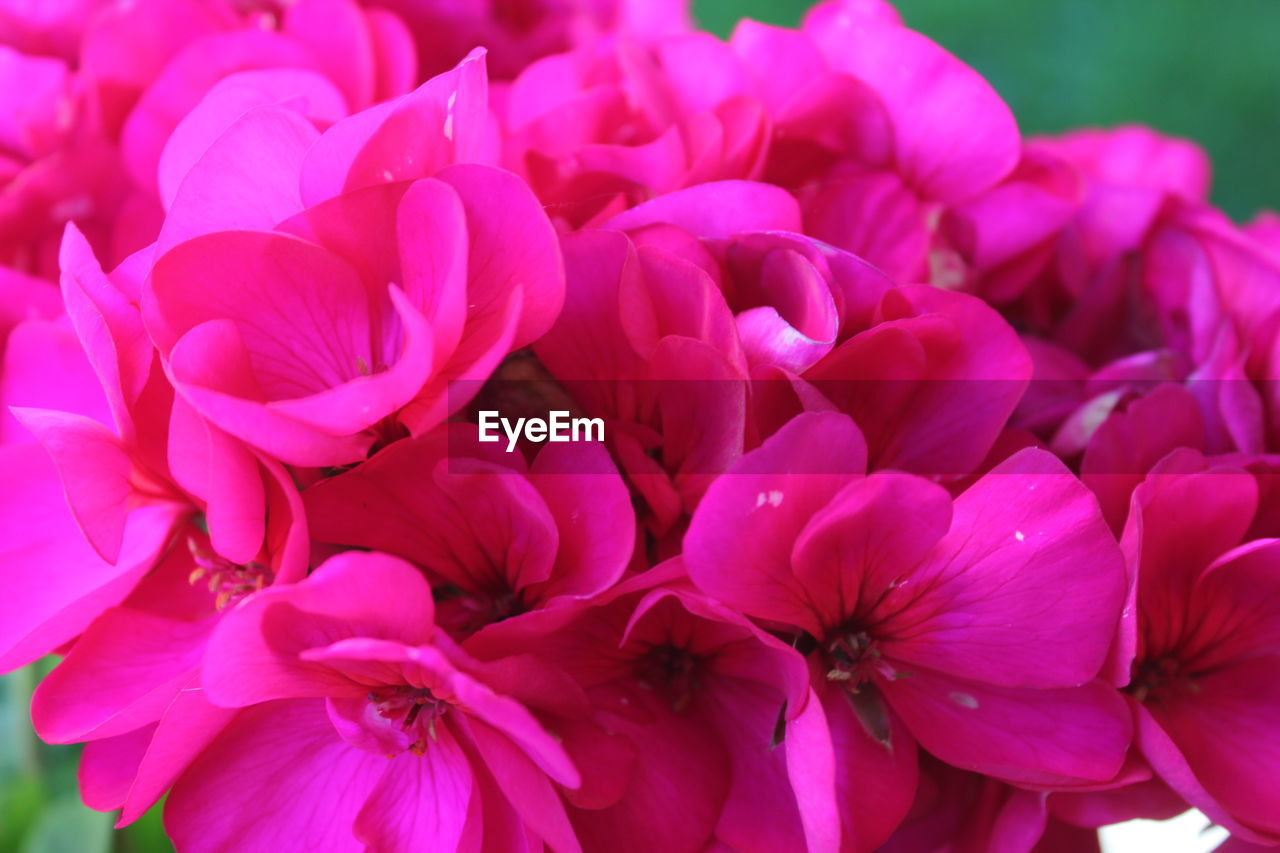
(613, 124)
(861, 143)
(495, 537)
(644, 334)
(965, 812)
(1201, 634)
(692, 695)
(55, 162)
(338, 326)
(907, 608)
(517, 32)
(931, 380)
(346, 678)
(85, 135)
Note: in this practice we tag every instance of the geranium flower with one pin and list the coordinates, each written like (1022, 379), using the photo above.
(907, 605)
(367, 726)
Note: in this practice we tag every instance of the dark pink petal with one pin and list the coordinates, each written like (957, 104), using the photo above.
(866, 541)
(759, 814)
(870, 742)
(515, 722)
(36, 351)
(594, 516)
(212, 368)
(1026, 588)
(679, 773)
(337, 34)
(1228, 733)
(933, 385)
(781, 61)
(185, 80)
(1172, 766)
(481, 528)
(281, 778)
(107, 768)
(1130, 443)
(303, 312)
(420, 801)
(528, 789)
(1039, 737)
(739, 542)
(236, 507)
(324, 171)
(875, 216)
(1237, 603)
(433, 253)
(393, 51)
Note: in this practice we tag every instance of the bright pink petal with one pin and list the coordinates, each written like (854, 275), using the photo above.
(866, 541)
(953, 135)
(108, 325)
(281, 778)
(254, 653)
(95, 471)
(512, 246)
(443, 121)
(1039, 737)
(1026, 588)
(420, 802)
(302, 91)
(189, 724)
(718, 209)
(593, 513)
(739, 542)
(121, 675)
(56, 584)
(528, 789)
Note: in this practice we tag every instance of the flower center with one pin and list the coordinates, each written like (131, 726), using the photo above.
(1159, 679)
(229, 582)
(851, 658)
(415, 709)
(672, 670)
(462, 613)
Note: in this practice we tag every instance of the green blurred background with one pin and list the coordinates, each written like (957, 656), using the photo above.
(1206, 70)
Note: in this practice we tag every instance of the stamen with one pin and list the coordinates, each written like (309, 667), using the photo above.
(673, 670)
(416, 708)
(229, 582)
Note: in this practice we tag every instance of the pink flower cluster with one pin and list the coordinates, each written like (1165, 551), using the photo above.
(938, 501)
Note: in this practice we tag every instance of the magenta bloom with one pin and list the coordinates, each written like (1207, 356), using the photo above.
(85, 130)
(495, 539)
(1202, 637)
(933, 510)
(517, 32)
(693, 696)
(348, 679)
(338, 326)
(907, 607)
